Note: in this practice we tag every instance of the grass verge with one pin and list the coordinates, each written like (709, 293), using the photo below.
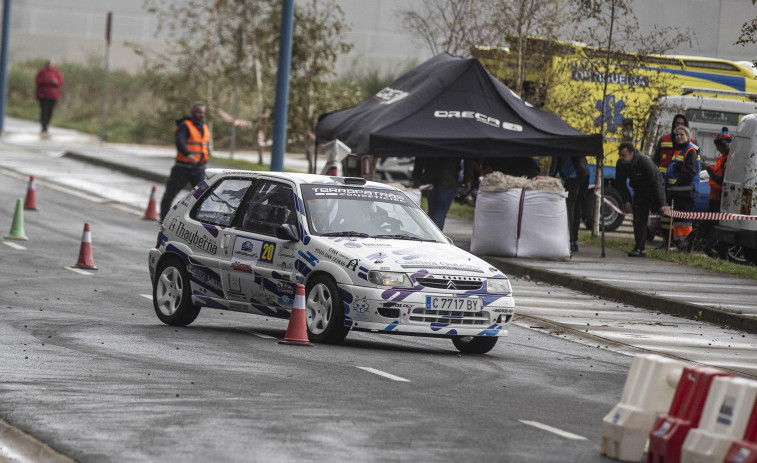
(683, 258)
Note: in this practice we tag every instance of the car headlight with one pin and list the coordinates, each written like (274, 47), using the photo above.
(498, 285)
(394, 279)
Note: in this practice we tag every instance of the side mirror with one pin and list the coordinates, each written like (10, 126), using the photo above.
(288, 232)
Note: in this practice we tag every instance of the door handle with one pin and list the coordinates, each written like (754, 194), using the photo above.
(226, 240)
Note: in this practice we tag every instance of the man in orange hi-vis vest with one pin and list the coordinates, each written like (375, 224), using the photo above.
(192, 137)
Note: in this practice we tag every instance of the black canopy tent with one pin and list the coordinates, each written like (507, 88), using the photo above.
(451, 106)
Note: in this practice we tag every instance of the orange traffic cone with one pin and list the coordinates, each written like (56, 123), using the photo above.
(85, 251)
(30, 203)
(152, 207)
(297, 333)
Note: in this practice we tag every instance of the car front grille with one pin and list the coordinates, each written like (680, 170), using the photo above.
(452, 283)
(453, 318)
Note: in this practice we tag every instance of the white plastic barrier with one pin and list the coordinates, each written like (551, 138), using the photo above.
(648, 392)
(724, 419)
(543, 224)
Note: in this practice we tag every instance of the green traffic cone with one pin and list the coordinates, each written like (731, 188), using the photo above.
(17, 229)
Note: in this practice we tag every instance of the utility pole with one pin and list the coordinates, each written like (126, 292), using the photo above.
(280, 109)
(4, 62)
(108, 26)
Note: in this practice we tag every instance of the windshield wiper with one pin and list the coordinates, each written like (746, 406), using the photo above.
(399, 236)
(346, 233)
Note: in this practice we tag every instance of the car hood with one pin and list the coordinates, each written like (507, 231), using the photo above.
(409, 256)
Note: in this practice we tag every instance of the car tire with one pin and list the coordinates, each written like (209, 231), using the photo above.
(731, 253)
(171, 294)
(612, 219)
(325, 311)
(474, 344)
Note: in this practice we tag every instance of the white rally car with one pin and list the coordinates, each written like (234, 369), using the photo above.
(369, 257)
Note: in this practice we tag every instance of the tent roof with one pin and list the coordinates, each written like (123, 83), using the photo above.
(450, 106)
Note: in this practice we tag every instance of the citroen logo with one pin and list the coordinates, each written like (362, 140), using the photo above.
(451, 285)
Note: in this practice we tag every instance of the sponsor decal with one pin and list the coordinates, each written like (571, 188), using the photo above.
(333, 256)
(284, 287)
(201, 241)
(360, 305)
(285, 301)
(352, 264)
(396, 305)
(241, 267)
(309, 258)
(377, 255)
(478, 117)
(328, 192)
(504, 311)
(377, 245)
(237, 305)
(389, 95)
(248, 251)
(439, 266)
(384, 269)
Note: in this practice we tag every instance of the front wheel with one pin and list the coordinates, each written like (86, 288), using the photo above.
(171, 294)
(325, 311)
(474, 344)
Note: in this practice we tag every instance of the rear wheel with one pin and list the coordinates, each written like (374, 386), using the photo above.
(611, 218)
(731, 253)
(474, 344)
(325, 311)
(171, 294)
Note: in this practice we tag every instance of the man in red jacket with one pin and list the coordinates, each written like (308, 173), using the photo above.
(48, 82)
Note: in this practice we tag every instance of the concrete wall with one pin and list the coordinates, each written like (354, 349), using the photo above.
(74, 30)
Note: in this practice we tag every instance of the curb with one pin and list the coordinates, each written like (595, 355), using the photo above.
(627, 296)
(16, 445)
(127, 169)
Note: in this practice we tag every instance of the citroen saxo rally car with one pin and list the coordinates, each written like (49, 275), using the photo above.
(369, 257)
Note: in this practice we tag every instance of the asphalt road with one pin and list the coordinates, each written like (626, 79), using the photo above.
(88, 368)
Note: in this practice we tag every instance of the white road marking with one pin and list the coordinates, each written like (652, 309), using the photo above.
(15, 245)
(78, 270)
(147, 296)
(255, 333)
(384, 374)
(559, 432)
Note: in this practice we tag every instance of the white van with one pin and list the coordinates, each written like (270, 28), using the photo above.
(739, 190)
(707, 116)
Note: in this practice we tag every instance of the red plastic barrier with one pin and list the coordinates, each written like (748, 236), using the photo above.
(745, 450)
(669, 432)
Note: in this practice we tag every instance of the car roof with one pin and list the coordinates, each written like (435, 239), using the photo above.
(296, 177)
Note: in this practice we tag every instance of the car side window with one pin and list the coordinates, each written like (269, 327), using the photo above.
(270, 205)
(220, 204)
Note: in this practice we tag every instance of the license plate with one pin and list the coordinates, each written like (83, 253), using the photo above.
(453, 304)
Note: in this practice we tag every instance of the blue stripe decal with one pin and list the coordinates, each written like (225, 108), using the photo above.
(737, 83)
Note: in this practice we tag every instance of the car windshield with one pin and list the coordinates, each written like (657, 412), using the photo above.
(338, 210)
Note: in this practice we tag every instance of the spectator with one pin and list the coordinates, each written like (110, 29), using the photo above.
(716, 171)
(681, 178)
(192, 137)
(574, 172)
(443, 173)
(48, 82)
(664, 151)
(648, 191)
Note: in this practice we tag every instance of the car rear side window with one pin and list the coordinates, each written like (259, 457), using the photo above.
(271, 204)
(221, 203)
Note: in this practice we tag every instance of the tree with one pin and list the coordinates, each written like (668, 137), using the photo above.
(452, 26)
(612, 28)
(212, 42)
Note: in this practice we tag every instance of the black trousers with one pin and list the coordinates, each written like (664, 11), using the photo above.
(576, 188)
(46, 112)
(640, 209)
(181, 174)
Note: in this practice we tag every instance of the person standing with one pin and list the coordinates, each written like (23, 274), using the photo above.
(716, 171)
(681, 179)
(664, 150)
(574, 172)
(192, 137)
(648, 188)
(444, 174)
(48, 82)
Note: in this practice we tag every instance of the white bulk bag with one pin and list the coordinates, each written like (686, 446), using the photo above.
(544, 224)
